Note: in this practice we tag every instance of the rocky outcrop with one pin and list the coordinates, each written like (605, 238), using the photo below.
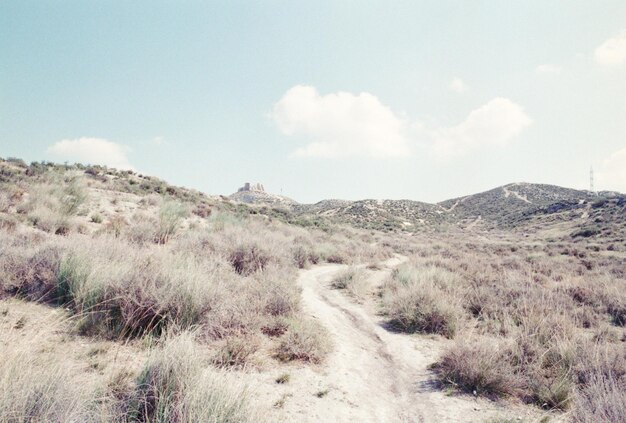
(256, 194)
(247, 187)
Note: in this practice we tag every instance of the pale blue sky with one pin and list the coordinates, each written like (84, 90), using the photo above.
(212, 94)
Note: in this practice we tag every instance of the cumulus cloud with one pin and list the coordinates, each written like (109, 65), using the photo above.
(458, 86)
(493, 124)
(612, 51)
(340, 124)
(344, 124)
(612, 174)
(92, 151)
(548, 68)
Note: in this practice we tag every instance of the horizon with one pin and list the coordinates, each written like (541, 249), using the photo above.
(428, 102)
(270, 191)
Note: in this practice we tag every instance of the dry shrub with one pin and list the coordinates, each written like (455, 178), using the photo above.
(353, 280)
(277, 292)
(115, 289)
(8, 223)
(41, 385)
(176, 386)
(235, 351)
(29, 271)
(50, 206)
(116, 225)
(255, 303)
(5, 201)
(171, 214)
(33, 389)
(305, 340)
(249, 258)
(304, 254)
(150, 200)
(330, 253)
(127, 293)
(416, 300)
(544, 310)
(484, 367)
(601, 399)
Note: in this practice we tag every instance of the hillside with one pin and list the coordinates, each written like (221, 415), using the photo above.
(507, 203)
(519, 206)
(126, 299)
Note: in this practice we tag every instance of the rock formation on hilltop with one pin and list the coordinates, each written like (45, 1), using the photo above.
(252, 187)
(254, 193)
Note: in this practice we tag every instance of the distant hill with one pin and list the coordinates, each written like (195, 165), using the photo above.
(377, 214)
(507, 202)
(513, 205)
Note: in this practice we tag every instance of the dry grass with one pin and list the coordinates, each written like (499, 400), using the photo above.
(177, 386)
(480, 368)
(353, 280)
(35, 389)
(142, 270)
(533, 320)
(44, 378)
(416, 300)
(305, 340)
(601, 399)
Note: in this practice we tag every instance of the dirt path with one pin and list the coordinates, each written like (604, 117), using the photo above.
(516, 194)
(372, 375)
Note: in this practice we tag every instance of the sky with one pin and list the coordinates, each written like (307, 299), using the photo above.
(421, 100)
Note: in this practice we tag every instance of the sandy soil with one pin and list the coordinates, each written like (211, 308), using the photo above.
(372, 375)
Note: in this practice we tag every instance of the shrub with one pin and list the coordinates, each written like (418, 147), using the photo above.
(5, 202)
(176, 386)
(30, 272)
(304, 340)
(585, 233)
(73, 196)
(352, 280)
(601, 399)
(171, 215)
(112, 288)
(303, 255)
(482, 367)
(415, 301)
(235, 351)
(248, 258)
(41, 387)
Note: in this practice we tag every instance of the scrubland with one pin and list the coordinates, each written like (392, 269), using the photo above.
(194, 295)
(530, 320)
(125, 299)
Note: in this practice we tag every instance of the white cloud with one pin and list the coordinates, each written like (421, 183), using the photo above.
(612, 173)
(343, 124)
(548, 68)
(340, 124)
(493, 124)
(92, 151)
(612, 51)
(458, 86)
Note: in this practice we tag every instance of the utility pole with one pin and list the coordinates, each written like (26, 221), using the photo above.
(591, 188)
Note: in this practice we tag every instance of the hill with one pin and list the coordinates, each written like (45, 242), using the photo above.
(124, 298)
(522, 206)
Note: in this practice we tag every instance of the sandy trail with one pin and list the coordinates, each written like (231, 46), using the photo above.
(372, 375)
(516, 194)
